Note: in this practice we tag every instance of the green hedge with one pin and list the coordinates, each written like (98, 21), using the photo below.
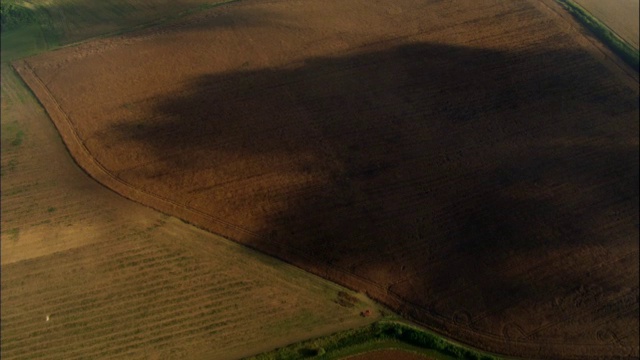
(626, 52)
(323, 348)
(417, 337)
(13, 16)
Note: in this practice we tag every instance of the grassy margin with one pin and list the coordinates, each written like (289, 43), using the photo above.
(624, 50)
(40, 34)
(383, 334)
(145, 25)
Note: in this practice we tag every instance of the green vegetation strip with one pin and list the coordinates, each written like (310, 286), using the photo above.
(161, 21)
(379, 335)
(28, 29)
(626, 52)
(13, 16)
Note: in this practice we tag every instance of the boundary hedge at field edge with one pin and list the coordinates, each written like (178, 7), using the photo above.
(626, 52)
(13, 16)
(323, 348)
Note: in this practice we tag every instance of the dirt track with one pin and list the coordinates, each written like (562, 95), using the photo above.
(471, 164)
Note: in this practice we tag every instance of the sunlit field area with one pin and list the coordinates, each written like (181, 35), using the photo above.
(198, 179)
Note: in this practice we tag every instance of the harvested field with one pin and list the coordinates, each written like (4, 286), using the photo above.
(472, 164)
(88, 274)
(167, 293)
(621, 16)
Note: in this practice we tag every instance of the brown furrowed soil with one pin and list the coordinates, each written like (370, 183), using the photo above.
(118, 280)
(472, 164)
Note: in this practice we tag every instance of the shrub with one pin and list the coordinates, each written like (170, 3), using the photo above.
(13, 16)
(621, 48)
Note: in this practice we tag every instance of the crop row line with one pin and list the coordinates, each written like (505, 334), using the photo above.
(104, 321)
(150, 288)
(104, 345)
(71, 267)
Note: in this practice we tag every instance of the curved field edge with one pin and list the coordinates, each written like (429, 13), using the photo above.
(380, 335)
(94, 168)
(384, 334)
(84, 159)
(616, 44)
(18, 139)
(89, 164)
(123, 262)
(336, 346)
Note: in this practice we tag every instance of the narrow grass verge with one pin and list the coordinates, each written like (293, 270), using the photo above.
(13, 15)
(624, 50)
(153, 23)
(379, 335)
(27, 31)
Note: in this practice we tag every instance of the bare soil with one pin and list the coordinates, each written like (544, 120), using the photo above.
(474, 165)
(388, 355)
(88, 274)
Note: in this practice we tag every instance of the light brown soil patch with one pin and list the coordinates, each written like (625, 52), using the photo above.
(472, 164)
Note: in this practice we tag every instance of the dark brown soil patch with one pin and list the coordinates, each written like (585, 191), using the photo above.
(388, 355)
(474, 165)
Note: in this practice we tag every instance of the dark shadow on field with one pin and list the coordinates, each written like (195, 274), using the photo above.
(488, 189)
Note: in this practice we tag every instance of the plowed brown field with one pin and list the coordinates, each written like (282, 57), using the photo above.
(87, 274)
(473, 164)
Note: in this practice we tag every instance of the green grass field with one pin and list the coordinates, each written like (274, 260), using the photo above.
(24, 35)
(63, 22)
(22, 42)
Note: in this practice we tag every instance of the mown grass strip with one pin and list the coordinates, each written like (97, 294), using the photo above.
(373, 337)
(28, 31)
(624, 50)
(153, 23)
(13, 15)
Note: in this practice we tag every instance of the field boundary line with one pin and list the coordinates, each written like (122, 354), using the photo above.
(150, 24)
(596, 45)
(294, 256)
(116, 181)
(602, 23)
(82, 156)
